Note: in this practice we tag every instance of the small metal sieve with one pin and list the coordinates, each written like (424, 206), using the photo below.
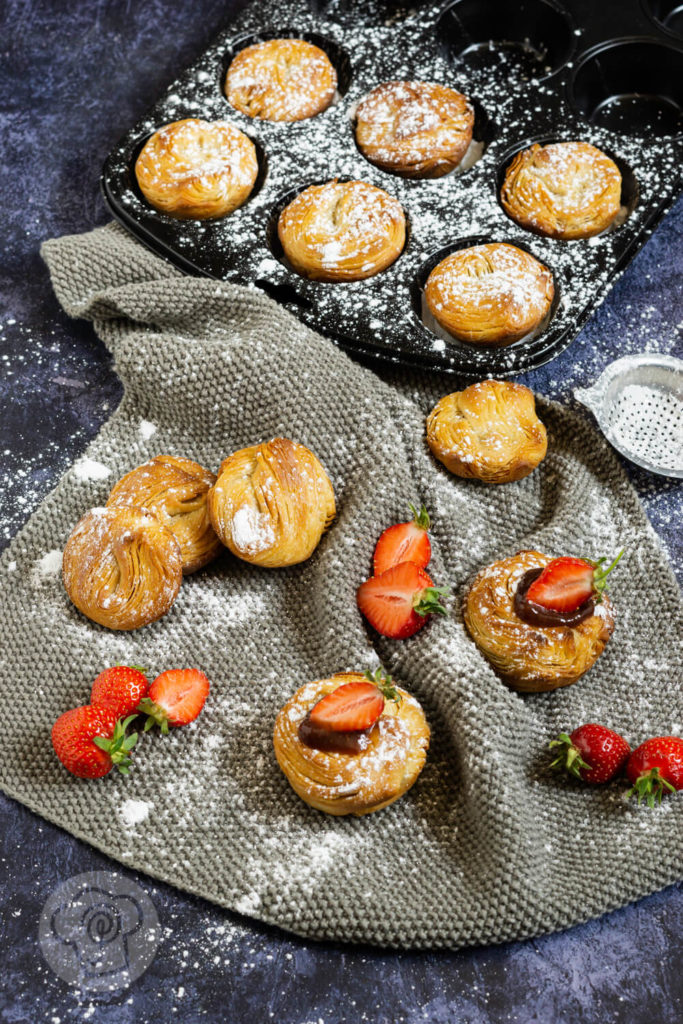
(638, 403)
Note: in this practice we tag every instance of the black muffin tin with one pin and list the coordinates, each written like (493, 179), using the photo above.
(609, 73)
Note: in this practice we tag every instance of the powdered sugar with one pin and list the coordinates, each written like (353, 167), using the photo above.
(134, 812)
(251, 530)
(90, 469)
(147, 429)
(50, 564)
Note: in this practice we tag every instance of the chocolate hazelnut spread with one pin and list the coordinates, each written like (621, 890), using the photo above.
(334, 742)
(536, 615)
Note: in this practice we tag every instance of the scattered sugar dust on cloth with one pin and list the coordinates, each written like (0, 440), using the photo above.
(488, 845)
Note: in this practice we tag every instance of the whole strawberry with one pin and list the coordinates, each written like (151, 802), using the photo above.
(655, 768)
(592, 752)
(120, 688)
(91, 740)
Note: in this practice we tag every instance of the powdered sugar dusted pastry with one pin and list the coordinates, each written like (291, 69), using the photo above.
(342, 231)
(489, 431)
(272, 503)
(281, 80)
(122, 567)
(175, 490)
(532, 656)
(379, 765)
(416, 129)
(564, 190)
(491, 294)
(197, 169)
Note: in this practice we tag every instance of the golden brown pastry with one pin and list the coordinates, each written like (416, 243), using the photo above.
(415, 129)
(489, 431)
(531, 657)
(342, 231)
(347, 782)
(281, 80)
(564, 190)
(197, 169)
(122, 567)
(175, 490)
(272, 503)
(491, 294)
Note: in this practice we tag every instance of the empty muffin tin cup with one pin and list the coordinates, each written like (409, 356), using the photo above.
(529, 38)
(631, 86)
(668, 14)
(638, 403)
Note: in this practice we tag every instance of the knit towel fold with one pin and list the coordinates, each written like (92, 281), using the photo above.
(489, 845)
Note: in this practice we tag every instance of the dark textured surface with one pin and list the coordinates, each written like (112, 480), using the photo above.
(73, 77)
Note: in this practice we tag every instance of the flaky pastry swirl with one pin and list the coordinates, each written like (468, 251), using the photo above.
(122, 567)
(352, 783)
(281, 80)
(489, 431)
(415, 129)
(564, 190)
(271, 503)
(342, 231)
(528, 657)
(197, 169)
(491, 294)
(175, 490)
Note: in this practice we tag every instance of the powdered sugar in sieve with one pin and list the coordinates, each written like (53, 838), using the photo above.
(638, 402)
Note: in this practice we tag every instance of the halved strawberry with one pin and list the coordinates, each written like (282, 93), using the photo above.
(399, 601)
(350, 708)
(120, 688)
(404, 542)
(175, 698)
(567, 583)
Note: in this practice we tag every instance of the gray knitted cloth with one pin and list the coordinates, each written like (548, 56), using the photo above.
(488, 845)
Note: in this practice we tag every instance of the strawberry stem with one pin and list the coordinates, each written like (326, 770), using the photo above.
(600, 574)
(385, 684)
(421, 518)
(118, 745)
(569, 759)
(155, 715)
(136, 668)
(427, 601)
(650, 787)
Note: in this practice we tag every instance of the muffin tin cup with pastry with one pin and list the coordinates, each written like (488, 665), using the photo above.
(312, 255)
(484, 350)
(438, 43)
(614, 213)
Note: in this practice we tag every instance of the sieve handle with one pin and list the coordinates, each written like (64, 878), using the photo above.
(591, 397)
